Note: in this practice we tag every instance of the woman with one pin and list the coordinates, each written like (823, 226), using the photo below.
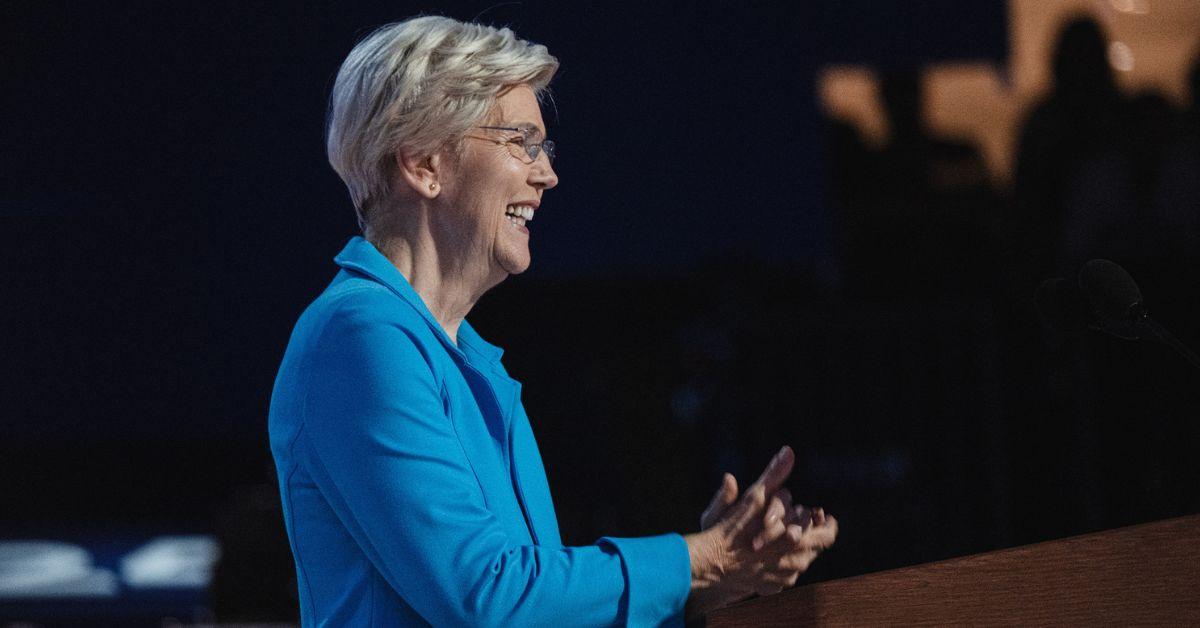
(412, 486)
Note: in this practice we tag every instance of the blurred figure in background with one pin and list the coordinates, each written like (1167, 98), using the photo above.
(1068, 160)
(917, 216)
(1100, 176)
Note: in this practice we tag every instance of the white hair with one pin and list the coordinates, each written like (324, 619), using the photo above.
(419, 86)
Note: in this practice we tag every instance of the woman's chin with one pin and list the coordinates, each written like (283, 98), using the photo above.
(516, 264)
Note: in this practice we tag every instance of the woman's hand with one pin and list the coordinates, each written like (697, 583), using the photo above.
(756, 544)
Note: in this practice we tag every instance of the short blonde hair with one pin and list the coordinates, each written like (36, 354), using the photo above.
(418, 86)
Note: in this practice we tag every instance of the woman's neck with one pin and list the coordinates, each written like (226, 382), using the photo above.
(449, 284)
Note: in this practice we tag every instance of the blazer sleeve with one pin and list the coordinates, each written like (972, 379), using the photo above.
(386, 457)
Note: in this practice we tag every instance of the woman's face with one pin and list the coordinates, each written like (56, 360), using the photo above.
(488, 182)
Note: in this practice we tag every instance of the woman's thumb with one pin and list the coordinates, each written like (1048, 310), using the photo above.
(725, 496)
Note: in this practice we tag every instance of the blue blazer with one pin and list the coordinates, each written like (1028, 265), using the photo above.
(413, 489)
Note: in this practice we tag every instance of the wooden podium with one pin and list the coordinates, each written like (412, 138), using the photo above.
(1145, 574)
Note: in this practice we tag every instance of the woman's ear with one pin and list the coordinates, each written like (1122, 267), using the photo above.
(420, 173)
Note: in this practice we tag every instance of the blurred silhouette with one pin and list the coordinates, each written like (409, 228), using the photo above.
(1069, 176)
(1099, 176)
(917, 215)
(1192, 116)
(1068, 184)
(1093, 431)
(1162, 217)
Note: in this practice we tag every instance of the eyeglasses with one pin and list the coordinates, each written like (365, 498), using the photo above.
(520, 146)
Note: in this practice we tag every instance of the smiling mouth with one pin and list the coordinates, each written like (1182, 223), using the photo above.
(519, 214)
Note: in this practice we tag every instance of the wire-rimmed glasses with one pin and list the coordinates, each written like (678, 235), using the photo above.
(520, 146)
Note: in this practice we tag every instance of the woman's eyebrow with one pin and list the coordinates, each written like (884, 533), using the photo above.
(528, 127)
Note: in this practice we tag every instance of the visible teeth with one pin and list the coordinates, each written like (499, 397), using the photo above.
(524, 212)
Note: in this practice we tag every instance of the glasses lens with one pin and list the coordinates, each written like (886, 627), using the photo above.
(521, 149)
(524, 147)
(529, 152)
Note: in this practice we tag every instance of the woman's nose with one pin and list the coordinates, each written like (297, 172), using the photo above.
(542, 174)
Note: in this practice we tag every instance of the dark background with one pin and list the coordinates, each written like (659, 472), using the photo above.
(720, 271)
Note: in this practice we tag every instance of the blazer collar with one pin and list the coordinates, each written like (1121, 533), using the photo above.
(362, 256)
(469, 338)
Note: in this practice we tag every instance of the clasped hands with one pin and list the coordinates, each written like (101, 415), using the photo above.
(759, 544)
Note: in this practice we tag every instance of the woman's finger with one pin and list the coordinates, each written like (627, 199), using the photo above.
(823, 536)
(771, 582)
(799, 560)
(791, 581)
(791, 539)
(785, 496)
(777, 470)
(775, 510)
(772, 524)
(782, 577)
(725, 496)
(812, 537)
(772, 478)
(831, 525)
(802, 516)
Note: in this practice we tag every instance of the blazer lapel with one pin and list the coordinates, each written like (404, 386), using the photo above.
(528, 472)
(530, 477)
(513, 434)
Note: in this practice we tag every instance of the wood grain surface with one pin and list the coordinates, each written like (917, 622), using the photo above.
(1141, 575)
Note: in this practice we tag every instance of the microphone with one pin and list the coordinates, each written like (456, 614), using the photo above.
(1104, 298)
